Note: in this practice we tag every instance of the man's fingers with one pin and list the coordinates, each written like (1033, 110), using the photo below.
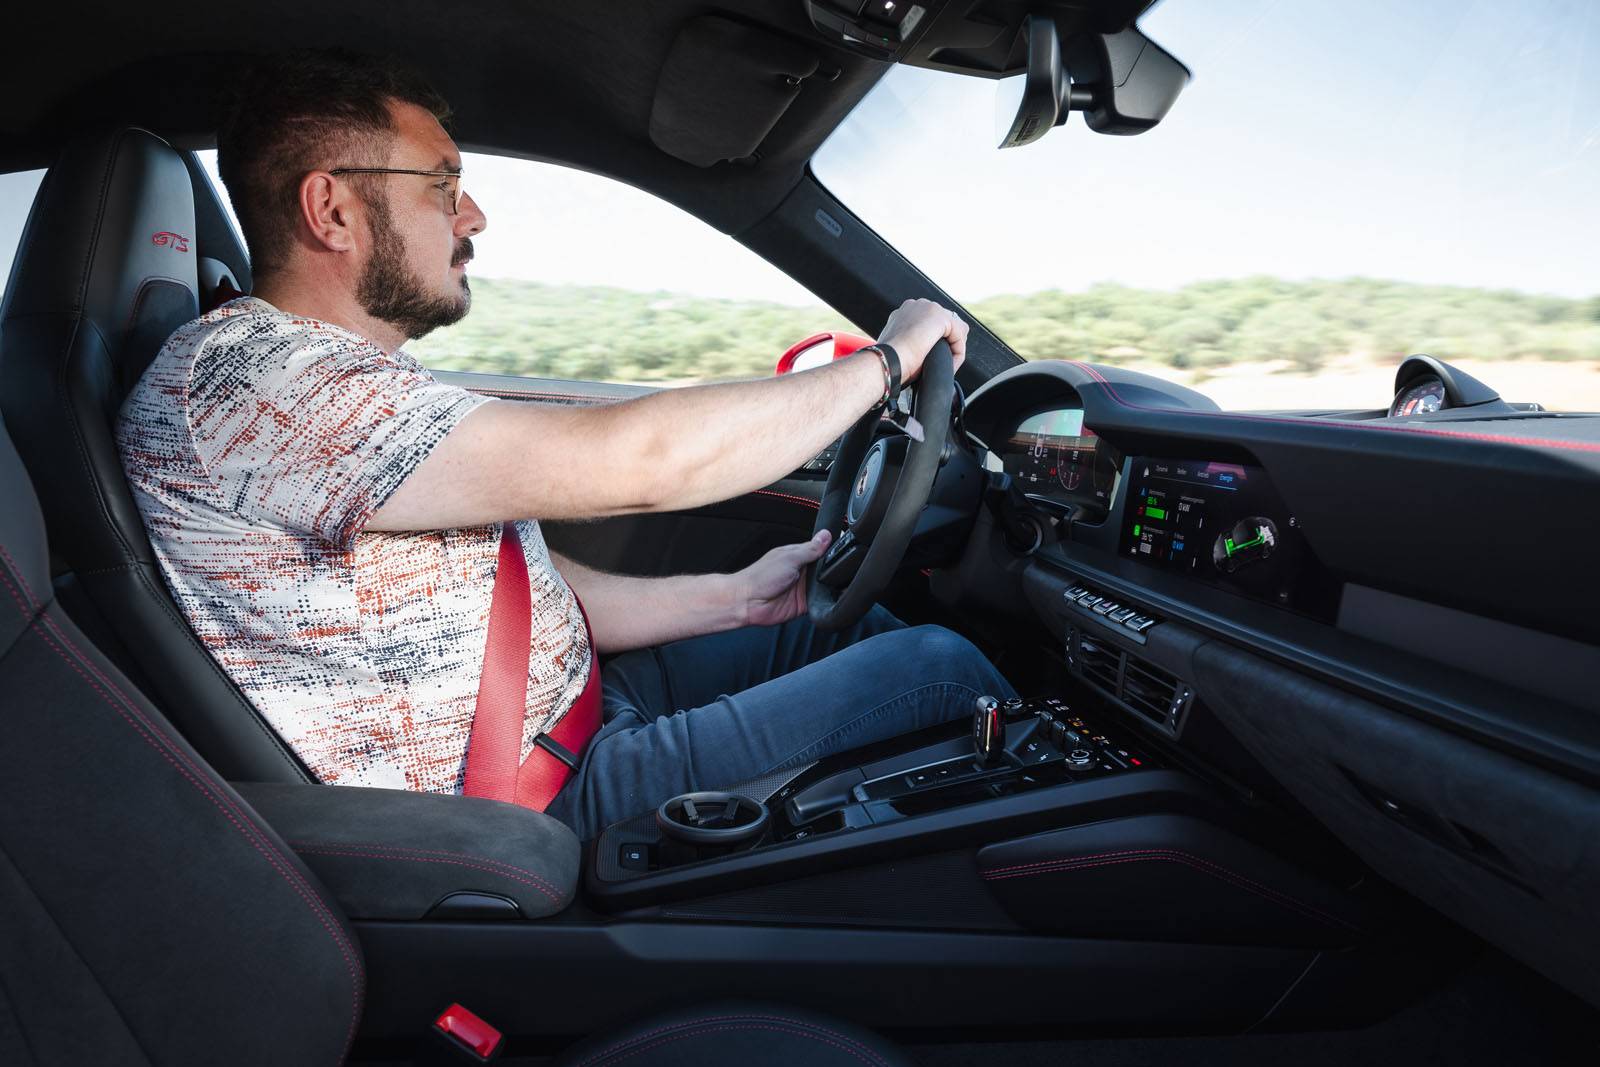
(956, 333)
(805, 551)
(813, 549)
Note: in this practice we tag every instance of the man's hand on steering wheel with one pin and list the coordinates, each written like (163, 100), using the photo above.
(880, 480)
(915, 326)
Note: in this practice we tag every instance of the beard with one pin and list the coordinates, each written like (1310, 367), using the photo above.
(391, 293)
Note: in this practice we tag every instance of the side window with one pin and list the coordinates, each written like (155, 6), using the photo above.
(579, 276)
(17, 191)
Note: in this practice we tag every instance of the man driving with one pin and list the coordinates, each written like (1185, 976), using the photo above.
(358, 544)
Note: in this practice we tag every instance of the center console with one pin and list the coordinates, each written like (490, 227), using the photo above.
(1016, 749)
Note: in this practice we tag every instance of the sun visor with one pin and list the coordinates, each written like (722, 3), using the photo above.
(723, 88)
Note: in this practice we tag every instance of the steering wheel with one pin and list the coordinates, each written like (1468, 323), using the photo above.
(876, 491)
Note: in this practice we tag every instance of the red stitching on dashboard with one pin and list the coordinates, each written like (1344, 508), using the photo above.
(1107, 859)
(1531, 442)
(807, 501)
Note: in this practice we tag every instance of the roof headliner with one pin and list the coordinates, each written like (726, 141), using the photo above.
(569, 82)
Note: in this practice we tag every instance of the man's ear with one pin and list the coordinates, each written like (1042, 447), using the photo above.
(329, 209)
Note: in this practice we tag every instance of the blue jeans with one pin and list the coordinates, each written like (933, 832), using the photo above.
(671, 726)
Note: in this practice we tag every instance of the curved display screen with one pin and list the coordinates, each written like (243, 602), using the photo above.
(1054, 454)
(1221, 523)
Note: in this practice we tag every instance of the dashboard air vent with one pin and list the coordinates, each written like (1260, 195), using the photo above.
(1140, 686)
(1100, 664)
(1149, 690)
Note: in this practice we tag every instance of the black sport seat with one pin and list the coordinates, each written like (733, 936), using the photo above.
(105, 271)
(151, 917)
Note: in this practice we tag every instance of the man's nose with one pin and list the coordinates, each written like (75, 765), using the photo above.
(470, 220)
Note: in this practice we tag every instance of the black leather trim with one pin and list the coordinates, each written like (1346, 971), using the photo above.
(393, 854)
(1500, 845)
(1172, 878)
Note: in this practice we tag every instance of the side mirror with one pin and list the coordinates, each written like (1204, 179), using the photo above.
(820, 349)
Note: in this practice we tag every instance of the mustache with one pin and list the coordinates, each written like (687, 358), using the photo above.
(463, 252)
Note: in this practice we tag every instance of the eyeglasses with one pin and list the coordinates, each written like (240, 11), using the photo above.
(452, 188)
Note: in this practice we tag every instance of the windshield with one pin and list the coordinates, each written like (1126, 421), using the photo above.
(1343, 183)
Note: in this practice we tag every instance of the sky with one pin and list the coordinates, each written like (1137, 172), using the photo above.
(1449, 141)
(1443, 141)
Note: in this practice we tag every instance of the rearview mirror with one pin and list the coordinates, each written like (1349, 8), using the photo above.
(1027, 105)
(1124, 82)
(1128, 82)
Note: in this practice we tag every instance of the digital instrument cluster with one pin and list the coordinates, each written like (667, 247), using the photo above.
(1054, 454)
(1223, 524)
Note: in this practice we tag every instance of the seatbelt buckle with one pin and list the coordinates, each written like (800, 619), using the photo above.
(459, 1037)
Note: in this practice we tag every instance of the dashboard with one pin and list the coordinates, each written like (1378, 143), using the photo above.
(1378, 611)
(1435, 539)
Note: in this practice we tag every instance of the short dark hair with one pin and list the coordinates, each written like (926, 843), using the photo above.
(295, 113)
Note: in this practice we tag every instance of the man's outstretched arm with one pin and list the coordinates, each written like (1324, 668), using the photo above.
(675, 449)
(631, 612)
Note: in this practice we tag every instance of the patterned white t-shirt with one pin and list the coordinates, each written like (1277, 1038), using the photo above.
(258, 446)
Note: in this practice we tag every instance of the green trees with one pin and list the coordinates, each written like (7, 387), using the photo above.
(600, 333)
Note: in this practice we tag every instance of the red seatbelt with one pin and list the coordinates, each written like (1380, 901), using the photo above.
(494, 747)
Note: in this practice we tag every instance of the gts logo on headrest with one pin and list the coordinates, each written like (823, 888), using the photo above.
(176, 241)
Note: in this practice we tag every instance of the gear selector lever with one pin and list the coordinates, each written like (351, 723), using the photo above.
(988, 730)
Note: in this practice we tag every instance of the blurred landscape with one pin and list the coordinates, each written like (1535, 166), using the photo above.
(1256, 342)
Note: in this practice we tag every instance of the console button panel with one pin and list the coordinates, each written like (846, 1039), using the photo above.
(1129, 621)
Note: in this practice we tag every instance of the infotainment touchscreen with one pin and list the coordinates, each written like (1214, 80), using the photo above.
(1221, 523)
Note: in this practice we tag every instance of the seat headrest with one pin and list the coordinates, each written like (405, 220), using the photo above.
(112, 238)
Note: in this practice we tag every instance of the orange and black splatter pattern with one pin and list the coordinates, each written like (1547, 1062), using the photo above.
(258, 446)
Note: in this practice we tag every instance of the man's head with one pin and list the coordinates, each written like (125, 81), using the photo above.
(309, 156)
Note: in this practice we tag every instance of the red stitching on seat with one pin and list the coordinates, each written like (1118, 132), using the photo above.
(738, 1022)
(807, 501)
(1531, 442)
(379, 852)
(1106, 859)
(200, 780)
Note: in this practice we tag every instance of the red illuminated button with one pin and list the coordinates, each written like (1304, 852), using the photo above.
(468, 1031)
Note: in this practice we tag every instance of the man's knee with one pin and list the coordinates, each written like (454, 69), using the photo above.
(938, 652)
